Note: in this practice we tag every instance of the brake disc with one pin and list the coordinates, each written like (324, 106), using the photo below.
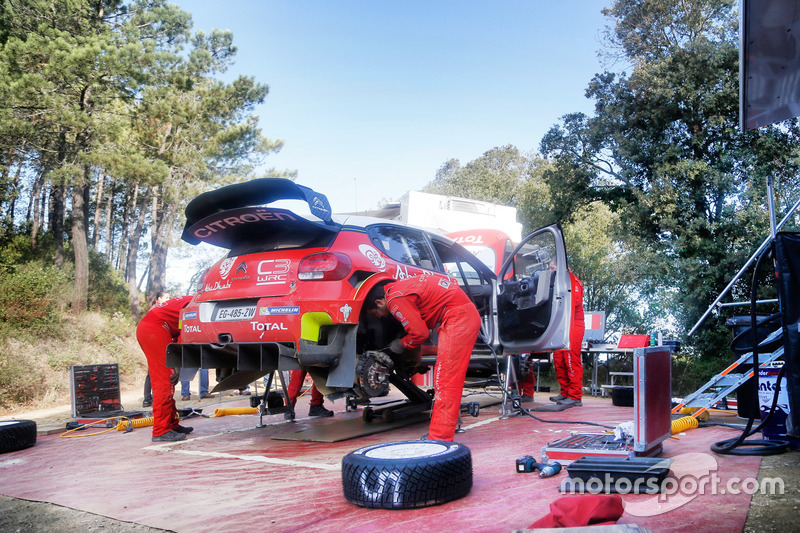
(372, 373)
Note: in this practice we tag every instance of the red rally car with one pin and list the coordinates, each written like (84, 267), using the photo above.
(289, 293)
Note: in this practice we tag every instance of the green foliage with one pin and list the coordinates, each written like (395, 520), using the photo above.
(664, 152)
(30, 297)
(18, 385)
(108, 292)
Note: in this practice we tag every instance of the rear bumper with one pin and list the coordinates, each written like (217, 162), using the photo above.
(338, 356)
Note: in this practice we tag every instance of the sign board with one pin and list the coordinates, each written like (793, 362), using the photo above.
(595, 326)
(769, 62)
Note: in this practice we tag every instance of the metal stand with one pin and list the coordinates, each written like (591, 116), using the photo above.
(510, 394)
(266, 400)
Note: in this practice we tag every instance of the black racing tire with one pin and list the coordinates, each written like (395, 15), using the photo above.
(17, 435)
(622, 396)
(407, 474)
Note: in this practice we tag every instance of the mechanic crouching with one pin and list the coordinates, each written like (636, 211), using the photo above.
(155, 331)
(420, 304)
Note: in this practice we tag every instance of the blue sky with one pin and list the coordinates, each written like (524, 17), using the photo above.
(372, 97)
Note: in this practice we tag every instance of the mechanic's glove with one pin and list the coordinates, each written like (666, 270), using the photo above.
(397, 347)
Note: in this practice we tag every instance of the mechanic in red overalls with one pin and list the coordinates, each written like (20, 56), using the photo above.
(568, 364)
(155, 331)
(422, 303)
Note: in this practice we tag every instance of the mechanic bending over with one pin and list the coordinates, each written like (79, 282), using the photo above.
(155, 331)
(420, 304)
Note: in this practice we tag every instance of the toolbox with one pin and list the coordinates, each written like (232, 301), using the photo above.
(652, 423)
(628, 475)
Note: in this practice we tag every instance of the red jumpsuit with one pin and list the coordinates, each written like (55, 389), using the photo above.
(569, 367)
(155, 331)
(420, 304)
(296, 378)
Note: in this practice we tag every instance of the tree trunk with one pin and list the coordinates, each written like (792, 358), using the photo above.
(130, 263)
(80, 245)
(157, 264)
(130, 213)
(98, 207)
(57, 201)
(37, 199)
(109, 222)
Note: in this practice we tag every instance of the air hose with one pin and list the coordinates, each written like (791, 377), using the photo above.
(684, 423)
(754, 447)
(224, 411)
(130, 423)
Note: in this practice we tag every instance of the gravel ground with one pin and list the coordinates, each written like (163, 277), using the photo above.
(23, 516)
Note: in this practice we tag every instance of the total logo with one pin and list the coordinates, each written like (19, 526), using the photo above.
(469, 239)
(269, 326)
(192, 329)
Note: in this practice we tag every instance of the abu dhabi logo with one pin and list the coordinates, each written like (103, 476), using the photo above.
(226, 266)
(373, 255)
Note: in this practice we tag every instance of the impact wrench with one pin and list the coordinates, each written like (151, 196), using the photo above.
(528, 464)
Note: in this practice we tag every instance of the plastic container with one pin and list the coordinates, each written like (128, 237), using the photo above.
(746, 399)
(775, 429)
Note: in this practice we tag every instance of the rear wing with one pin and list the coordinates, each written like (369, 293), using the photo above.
(219, 208)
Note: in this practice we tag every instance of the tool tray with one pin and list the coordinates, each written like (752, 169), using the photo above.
(636, 475)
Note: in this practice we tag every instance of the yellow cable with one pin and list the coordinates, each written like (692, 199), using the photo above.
(64, 435)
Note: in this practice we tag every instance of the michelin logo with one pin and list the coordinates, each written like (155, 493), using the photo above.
(285, 310)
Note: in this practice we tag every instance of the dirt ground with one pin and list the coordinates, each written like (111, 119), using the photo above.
(23, 516)
(776, 512)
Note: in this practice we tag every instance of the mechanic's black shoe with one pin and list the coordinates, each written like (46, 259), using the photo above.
(319, 410)
(569, 402)
(186, 397)
(147, 403)
(557, 398)
(184, 429)
(288, 415)
(206, 395)
(525, 399)
(169, 436)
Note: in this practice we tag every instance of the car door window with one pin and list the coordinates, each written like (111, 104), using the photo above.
(406, 245)
(472, 275)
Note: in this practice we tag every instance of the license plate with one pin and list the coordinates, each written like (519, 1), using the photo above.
(235, 312)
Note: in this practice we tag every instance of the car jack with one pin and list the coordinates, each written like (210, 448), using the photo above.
(272, 403)
(417, 402)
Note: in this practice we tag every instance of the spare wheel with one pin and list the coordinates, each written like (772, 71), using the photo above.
(407, 474)
(16, 435)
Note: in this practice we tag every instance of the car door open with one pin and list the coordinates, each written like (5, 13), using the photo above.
(533, 299)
